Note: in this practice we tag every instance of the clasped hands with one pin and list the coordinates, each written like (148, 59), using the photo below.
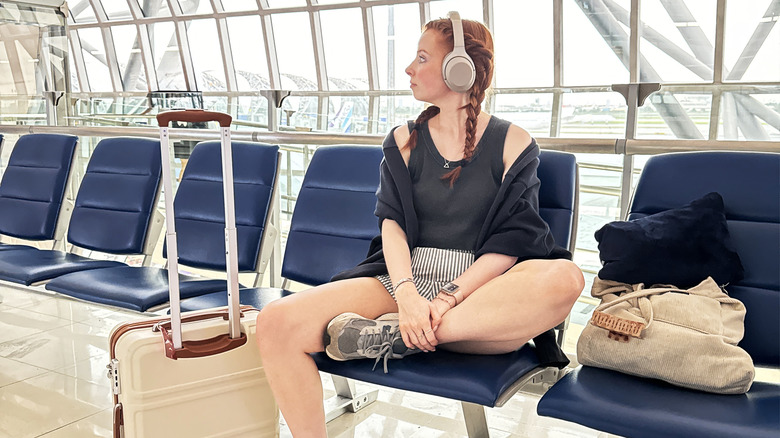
(419, 318)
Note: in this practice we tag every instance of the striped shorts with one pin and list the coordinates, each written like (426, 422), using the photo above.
(432, 268)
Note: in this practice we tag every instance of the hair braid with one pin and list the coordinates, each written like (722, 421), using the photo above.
(424, 116)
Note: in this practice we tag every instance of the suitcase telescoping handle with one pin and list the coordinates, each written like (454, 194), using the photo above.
(202, 347)
(231, 240)
(194, 115)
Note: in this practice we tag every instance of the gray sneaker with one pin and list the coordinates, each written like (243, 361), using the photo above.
(351, 336)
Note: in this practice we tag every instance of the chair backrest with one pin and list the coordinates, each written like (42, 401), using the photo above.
(333, 222)
(749, 183)
(199, 204)
(34, 184)
(558, 195)
(116, 197)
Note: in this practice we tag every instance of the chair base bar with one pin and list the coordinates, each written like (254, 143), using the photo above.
(346, 399)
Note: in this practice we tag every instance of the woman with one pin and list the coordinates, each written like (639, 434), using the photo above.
(464, 262)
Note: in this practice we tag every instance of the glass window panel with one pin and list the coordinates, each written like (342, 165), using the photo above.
(166, 56)
(749, 117)
(215, 103)
(741, 22)
(75, 86)
(206, 55)
(466, 8)
(531, 112)
(396, 110)
(593, 115)
(82, 11)
(599, 204)
(587, 58)
(7, 82)
(348, 114)
(116, 9)
(333, 2)
(294, 51)
(345, 49)
(299, 112)
(248, 47)
(251, 112)
(671, 116)
(665, 37)
(239, 5)
(523, 43)
(396, 31)
(191, 7)
(285, 3)
(154, 8)
(94, 53)
(128, 54)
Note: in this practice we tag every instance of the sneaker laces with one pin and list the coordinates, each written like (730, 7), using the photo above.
(381, 347)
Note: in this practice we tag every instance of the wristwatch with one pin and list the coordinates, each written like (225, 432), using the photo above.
(451, 289)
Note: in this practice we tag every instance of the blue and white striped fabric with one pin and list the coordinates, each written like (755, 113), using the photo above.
(432, 268)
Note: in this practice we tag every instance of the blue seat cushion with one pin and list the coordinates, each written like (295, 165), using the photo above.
(638, 407)
(473, 378)
(135, 288)
(6, 247)
(255, 297)
(31, 265)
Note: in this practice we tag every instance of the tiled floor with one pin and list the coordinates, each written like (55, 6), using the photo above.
(53, 384)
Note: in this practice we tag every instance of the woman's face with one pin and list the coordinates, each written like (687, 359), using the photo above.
(424, 72)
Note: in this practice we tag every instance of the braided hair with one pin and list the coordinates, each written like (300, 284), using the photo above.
(479, 46)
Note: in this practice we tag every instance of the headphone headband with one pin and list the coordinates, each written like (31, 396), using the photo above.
(457, 30)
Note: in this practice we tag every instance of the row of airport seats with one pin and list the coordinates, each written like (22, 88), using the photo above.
(115, 212)
(333, 223)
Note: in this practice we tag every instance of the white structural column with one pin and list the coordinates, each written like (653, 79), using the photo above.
(319, 63)
(627, 178)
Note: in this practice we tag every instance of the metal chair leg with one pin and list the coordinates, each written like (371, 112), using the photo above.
(345, 399)
(476, 422)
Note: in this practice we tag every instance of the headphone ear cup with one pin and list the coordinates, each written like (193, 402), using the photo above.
(458, 72)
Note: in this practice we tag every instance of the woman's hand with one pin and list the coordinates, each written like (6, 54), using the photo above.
(438, 307)
(414, 315)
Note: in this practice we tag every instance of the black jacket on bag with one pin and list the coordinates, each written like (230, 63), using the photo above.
(512, 227)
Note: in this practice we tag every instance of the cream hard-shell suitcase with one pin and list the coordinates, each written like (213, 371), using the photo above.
(197, 374)
(219, 395)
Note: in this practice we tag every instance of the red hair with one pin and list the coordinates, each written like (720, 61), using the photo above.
(479, 46)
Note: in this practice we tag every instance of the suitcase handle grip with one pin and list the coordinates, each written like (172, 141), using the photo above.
(193, 115)
(202, 347)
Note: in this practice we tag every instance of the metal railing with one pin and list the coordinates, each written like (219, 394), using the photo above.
(574, 145)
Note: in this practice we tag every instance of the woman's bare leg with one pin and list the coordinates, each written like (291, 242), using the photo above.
(291, 328)
(505, 313)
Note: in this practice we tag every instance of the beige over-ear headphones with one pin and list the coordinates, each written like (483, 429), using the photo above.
(458, 68)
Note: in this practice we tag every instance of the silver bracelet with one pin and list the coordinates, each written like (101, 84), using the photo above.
(403, 280)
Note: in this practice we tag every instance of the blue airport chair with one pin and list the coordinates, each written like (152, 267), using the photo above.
(331, 229)
(332, 225)
(638, 407)
(200, 224)
(33, 187)
(112, 213)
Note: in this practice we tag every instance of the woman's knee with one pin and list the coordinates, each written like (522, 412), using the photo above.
(273, 322)
(568, 280)
(562, 278)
